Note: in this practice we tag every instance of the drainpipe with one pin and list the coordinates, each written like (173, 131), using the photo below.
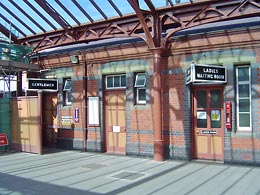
(157, 105)
(84, 103)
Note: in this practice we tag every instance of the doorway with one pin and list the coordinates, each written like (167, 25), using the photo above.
(115, 122)
(208, 123)
(49, 119)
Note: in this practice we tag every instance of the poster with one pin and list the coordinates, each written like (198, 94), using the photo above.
(201, 115)
(215, 115)
(93, 111)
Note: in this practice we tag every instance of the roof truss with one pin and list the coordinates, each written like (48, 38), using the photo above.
(147, 24)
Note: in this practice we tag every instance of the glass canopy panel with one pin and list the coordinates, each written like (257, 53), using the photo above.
(161, 3)
(91, 10)
(35, 16)
(29, 27)
(143, 5)
(45, 14)
(14, 20)
(44, 21)
(123, 6)
(107, 8)
(70, 7)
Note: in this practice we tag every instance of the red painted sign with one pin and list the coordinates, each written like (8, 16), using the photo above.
(3, 139)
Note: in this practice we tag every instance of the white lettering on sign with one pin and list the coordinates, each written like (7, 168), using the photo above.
(210, 70)
(204, 76)
(219, 77)
(42, 84)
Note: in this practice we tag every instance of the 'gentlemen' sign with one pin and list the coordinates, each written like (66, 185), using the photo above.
(43, 84)
(206, 74)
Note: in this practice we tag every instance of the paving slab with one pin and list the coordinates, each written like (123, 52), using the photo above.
(62, 172)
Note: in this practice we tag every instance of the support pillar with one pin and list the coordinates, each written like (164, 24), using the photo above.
(39, 135)
(19, 89)
(157, 105)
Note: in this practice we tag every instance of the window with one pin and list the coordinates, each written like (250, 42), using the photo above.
(67, 95)
(243, 88)
(116, 81)
(140, 80)
(140, 90)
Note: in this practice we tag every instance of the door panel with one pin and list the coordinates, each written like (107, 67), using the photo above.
(115, 122)
(208, 123)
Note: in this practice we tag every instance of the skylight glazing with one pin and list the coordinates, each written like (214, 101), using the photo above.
(31, 17)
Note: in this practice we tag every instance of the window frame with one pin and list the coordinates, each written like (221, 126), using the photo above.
(238, 98)
(67, 92)
(113, 76)
(136, 80)
(65, 87)
(137, 88)
(138, 101)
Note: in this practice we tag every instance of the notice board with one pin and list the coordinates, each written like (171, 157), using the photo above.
(93, 110)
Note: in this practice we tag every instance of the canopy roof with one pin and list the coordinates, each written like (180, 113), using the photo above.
(30, 17)
(43, 24)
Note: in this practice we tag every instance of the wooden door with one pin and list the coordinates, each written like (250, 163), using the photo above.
(208, 123)
(115, 116)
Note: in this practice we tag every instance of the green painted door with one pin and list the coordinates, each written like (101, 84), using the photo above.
(5, 126)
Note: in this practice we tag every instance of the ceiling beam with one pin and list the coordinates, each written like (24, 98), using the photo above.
(14, 37)
(115, 8)
(40, 14)
(150, 5)
(67, 12)
(53, 13)
(83, 11)
(171, 20)
(27, 15)
(98, 9)
(6, 32)
(18, 19)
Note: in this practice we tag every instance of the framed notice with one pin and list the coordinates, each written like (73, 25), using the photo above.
(201, 115)
(93, 111)
(215, 115)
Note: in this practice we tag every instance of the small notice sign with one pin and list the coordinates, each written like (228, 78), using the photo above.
(209, 132)
(3, 139)
(116, 129)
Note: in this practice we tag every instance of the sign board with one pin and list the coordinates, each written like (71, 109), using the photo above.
(43, 84)
(66, 120)
(197, 73)
(76, 115)
(3, 139)
(209, 132)
(116, 129)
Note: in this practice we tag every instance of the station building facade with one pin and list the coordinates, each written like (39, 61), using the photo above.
(209, 95)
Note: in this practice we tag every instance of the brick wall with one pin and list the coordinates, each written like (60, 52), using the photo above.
(227, 48)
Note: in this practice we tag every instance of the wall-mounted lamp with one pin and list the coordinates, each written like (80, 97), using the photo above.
(74, 59)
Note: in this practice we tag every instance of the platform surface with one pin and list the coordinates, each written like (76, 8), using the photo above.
(62, 172)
